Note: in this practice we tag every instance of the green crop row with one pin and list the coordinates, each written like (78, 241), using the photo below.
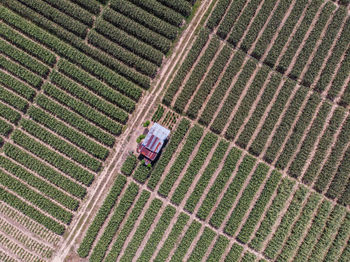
(8, 113)
(206, 176)
(272, 117)
(13, 100)
(44, 171)
(228, 199)
(245, 201)
(27, 45)
(217, 14)
(96, 86)
(283, 192)
(35, 198)
(218, 249)
(180, 162)
(248, 257)
(208, 83)
(235, 93)
(259, 207)
(185, 67)
(298, 130)
(299, 161)
(101, 216)
(158, 114)
(142, 172)
(193, 169)
(246, 104)
(17, 86)
(345, 254)
(202, 245)
(157, 234)
(74, 120)
(168, 153)
(219, 184)
(68, 133)
(129, 165)
(24, 59)
(339, 81)
(344, 199)
(91, 5)
(5, 128)
(31, 212)
(181, 6)
(60, 145)
(235, 253)
(323, 145)
(118, 216)
(39, 184)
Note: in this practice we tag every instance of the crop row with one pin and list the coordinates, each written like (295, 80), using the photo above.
(35, 198)
(157, 234)
(101, 216)
(207, 144)
(233, 96)
(225, 204)
(283, 192)
(5, 128)
(339, 81)
(90, 5)
(190, 59)
(235, 253)
(218, 249)
(208, 83)
(168, 153)
(142, 172)
(246, 104)
(17, 86)
(39, 184)
(44, 171)
(192, 140)
(217, 14)
(344, 199)
(202, 245)
(181, 6)
(106, 238)
(248, 257)
(129, 165)
(8, 113)
(219, 184)
(245, 200)
(300, 159)
(272, 117)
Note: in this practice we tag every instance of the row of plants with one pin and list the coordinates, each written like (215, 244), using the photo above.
(307, 145)
(31, 212)
(129, 165)
(234, 95)
(101, 216)
(247, 102)
(158, 114)
(204, 179)
(62, 146)
(228, 199)
(128, 226)
(181, 6)
(208, 83)
(219, 184)
(41, 185)
(142, 172)
(192, 140)
(235, 253)
(5, 128)
(217, 14)
(106, 92)
(68, 133)
(145, 18)
(205, 147)
(168, 153)
(344, 199)
(75, 120)
(185, 67)
(116, 219)
(246, 199)
(283, 191)
(202, 245)
(219, 248)
(23, 59)
(13, 100)
(196, 75)
(9, 114)
(44, 171)
(339, 82)
(20, 189)
(259, 207)
(157, 234)
(17, 86)
(298, 229)
(90, 5)
(272, 117)
(249, 257)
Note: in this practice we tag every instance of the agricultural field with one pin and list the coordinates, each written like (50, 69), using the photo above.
(255, 93)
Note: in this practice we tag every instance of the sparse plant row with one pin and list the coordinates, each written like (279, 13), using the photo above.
(234, 95)
(209, 82)
(235, 253)
(5, 257)
(246, 199)
(5, 128)
(246, 104)
(283, 192)
(129, 165)
(273, 115)
(169, 151)
(181, 6)
(8, 113)
(339, 81)
(218, 249)
(44, 171)
(17, 86)
(259, 207)
(106, 238)
(41, 185)
(220, 181)
(101, 216)
(90, 5)
(301, 157)
(228, 199)
(202, 183)
(193, 138)
(193, 169)
(189, 61)
(202, 245)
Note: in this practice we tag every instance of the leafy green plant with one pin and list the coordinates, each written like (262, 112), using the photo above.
(129, 165)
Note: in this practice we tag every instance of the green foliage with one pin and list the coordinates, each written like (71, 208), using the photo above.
(129, 165)
(91, 5)
(339, 81)
(5, 128)
(142, 172)
(9, 114)
(16, 86)
(146, 124)
(218, 249)
(235, 253)
(202, 245)
(217, 14)
(180, 6)
(158, 114)
(140, 138)
(13, 100)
